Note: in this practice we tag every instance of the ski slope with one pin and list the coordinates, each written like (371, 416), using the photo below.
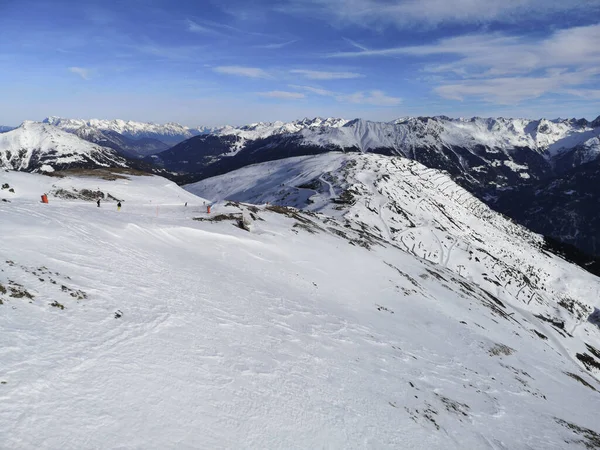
(300, 333)
(424, 213)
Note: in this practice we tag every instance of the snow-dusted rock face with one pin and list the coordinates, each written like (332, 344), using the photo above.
(169, 133)
(396, 311)
(263, 130)
(42, 147)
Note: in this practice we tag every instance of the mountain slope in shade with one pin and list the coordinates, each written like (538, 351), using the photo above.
(128, 147)
(169, 133)
(41, 147)
(4, 129)
(565, 207)
(309, 330)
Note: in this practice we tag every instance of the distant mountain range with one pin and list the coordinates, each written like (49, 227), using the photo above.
(169, 133)
(483, 154)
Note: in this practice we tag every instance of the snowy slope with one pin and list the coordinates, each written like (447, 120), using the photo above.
(41, 147)
(302, 333)
(170, 133)
(426, 214)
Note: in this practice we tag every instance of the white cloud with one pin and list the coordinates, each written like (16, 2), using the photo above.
(319, 75)
(250, 72)
(185, 53)
(276, 46)
(408, 13)
(585, 93)
(356, 44)
(195, 27)
(512, 90)
(374, 97)
(314, 90)
(507, 69)
(82, 72)
(284, 95)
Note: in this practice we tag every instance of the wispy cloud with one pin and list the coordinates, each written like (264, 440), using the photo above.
(276, 46)
(314, 90)
(512, 90)
(81, 71)
(408, 13)
(373, 97)
(504, 52)
(174, 53)
(203, 26)
(284, 95)
(506, 69)
(250, 72)
(356, 44)
(195, 27)
(585, 93)
(320, 75)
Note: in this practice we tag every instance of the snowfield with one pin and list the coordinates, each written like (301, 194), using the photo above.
(340, 326)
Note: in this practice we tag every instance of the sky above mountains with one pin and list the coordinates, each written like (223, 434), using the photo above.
(217, 62)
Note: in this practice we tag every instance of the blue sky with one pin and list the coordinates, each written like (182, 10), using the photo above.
(217, 62)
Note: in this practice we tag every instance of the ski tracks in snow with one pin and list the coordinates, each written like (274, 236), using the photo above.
(329, 186)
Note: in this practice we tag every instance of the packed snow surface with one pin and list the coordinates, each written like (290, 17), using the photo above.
(144, 328)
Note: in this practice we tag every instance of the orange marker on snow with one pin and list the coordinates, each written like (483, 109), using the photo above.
(44, 198)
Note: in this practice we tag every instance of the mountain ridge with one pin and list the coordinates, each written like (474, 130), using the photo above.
(170, 133)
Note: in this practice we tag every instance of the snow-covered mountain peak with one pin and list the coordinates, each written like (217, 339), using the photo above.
(41, 146)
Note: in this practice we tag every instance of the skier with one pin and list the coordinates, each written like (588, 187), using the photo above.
(119, 206)
(185, 204)
(98, 203)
